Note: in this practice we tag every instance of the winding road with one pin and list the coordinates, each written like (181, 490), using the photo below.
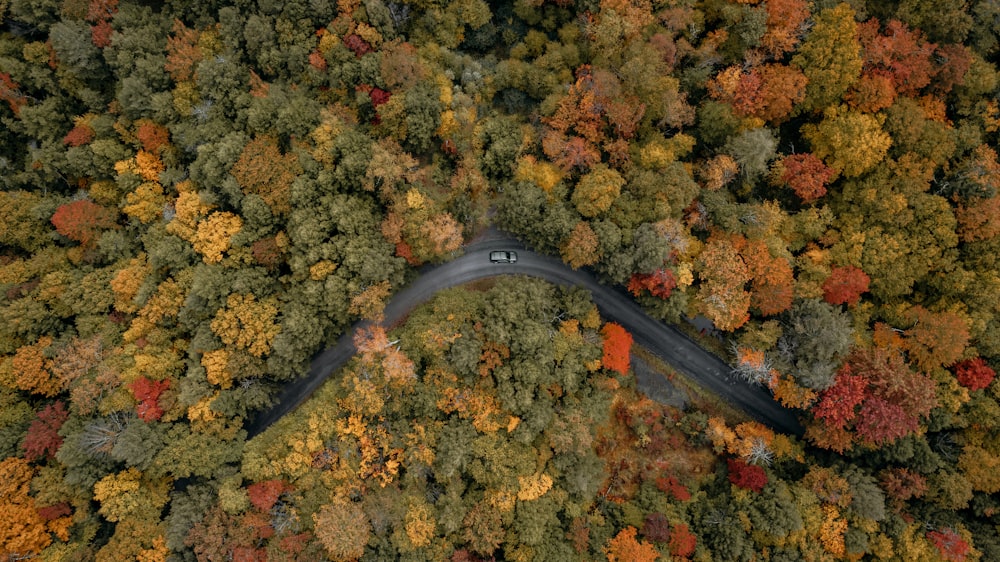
(663, 340)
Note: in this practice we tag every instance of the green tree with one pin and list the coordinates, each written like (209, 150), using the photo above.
(753, 150)
(830, 57)
(815, 340)
(423, 115)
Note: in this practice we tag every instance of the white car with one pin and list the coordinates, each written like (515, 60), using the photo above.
(503, 256)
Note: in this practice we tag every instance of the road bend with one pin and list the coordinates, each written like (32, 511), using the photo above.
(663, 340)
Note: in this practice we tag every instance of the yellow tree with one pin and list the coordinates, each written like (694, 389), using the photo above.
(247, 323)
(724, 275)
(581, 247)
(419, 522)
(188, 210)
(148, 166)
(31, 370)
(127, 281)
(542, 174)
(146, 203)
(214, 235)
(130, 495)
(264, 170)
(216, 364)
(937, 339)
(848, 141)
(442, 235)
(22, 529)
(370, 302)
(625, 548)
(831, 533)
(343, 529)
(597, 190)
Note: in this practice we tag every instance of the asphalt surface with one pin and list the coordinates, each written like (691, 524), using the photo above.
(663, 340)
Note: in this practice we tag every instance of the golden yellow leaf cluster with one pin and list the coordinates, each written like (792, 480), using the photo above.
(215, 233)
(247, 323)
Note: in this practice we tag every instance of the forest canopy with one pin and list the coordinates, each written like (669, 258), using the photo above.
(197, 197)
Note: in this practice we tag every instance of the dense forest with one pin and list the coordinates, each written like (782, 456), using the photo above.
(196, 197)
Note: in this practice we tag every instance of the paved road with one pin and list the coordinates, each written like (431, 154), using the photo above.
(663, 340)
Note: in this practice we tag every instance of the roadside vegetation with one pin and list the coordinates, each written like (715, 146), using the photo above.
(196, 197)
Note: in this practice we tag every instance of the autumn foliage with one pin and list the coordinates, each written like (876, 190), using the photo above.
(937, 339)
(198, 197)
(625, 548)
(837, 404)
(806, 175)
(262, 169)
(898, 53)
(949, 544)
(617, 345)
(152, 135)
(682, 541)
(659, 283)
(83, 220)
(263, 495)
(147, 392)
(747, 476)
(33, 370)
(845, 285)
(43, 439)
(878, 396)
(79, 135)
(22, 528)
(974, 374)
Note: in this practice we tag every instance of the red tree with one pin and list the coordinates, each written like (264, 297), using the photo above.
(266, 252)
(152, 136)
(43, 439)
(10, 93)
(316, 60)
(358, 45)
(845, 285)
(682, 541)
(892, 379)
(656, 527)
(100, 13)
(950, 544)
(784, 25)
(770, 92)
(294, 544)
(100, 34)
(79, 135)
(899, 53)
(746, 476)
(901, 484)
(836, 406)
(147, 392)
(953, 62)
(974, 374)
(807, 175)
(772, 290)
(101, 10)
(55, 511)
(82, 220)
(379, 96)
(263, 495)
(617, 344)
(670, 485)
(660, 283)
(881, 422)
